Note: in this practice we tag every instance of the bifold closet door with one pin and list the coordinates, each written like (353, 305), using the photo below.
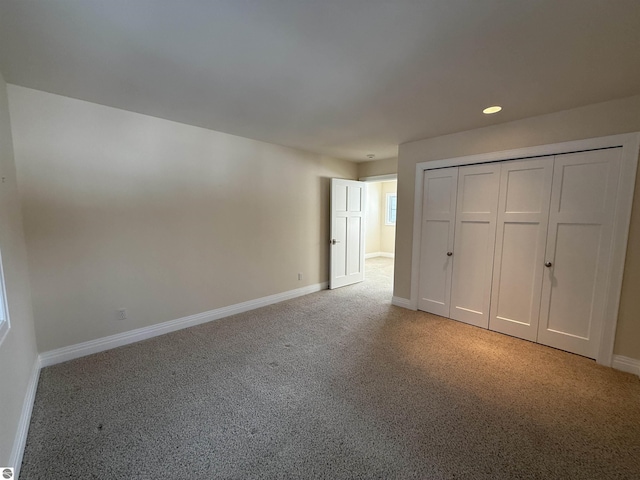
(521, 236)
(579, 250)
(438, 223)
(475, 233)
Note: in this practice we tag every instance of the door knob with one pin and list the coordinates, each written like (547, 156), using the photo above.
(548, 264)
(449, 254)
(334, 241)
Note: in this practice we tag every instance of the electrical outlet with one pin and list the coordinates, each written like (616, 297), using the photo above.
(121, 314)
(300, 276)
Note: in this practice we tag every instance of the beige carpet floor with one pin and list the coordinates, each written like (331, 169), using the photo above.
(336, 385)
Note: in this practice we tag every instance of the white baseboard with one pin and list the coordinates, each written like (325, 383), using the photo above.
(20, 440)
(626, 364)
(401, 302)
(106, 343)
(379, 254)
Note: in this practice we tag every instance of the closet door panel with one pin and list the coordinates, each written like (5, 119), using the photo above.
(438, 213)
(471, 266)
(579, 250)
(574, 279)
(434, 283)
(476, 208)
(521, 234)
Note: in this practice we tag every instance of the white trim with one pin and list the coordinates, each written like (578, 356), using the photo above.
(402, 302)
(380, 178)
(621, 223)
(20, 441)
(626, 364)
(538, 151)
(630, 143)
(417, 235)
(379, 254)
(4, 329)
(71, 352)
(5, 320)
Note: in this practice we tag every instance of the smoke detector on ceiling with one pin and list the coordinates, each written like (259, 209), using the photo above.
(371, 156)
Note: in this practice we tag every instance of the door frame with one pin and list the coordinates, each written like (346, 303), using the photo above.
(630, 144)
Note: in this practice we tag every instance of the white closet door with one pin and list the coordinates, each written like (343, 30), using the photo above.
(475, 234)
(438, 223)
(521, 236)
(579, 250)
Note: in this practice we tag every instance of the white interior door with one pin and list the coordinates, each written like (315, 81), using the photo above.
(521, 236)
(475, 234)
(347, 232)
(436, 250)
(579, 250)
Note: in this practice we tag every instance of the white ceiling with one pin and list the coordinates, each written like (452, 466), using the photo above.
(339, 77)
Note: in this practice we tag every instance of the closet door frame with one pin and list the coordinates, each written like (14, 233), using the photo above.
(630, 144)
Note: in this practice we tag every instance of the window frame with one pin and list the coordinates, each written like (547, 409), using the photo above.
(388, 208)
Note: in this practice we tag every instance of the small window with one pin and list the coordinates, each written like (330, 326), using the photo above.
(4, 315)
(390, 217)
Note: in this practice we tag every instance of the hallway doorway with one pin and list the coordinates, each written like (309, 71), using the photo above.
(380, 219)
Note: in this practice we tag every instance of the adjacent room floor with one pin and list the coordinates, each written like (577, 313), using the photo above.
(338, 384)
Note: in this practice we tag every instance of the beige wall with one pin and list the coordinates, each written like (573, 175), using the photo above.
(18, 351)
(123, 210)
(609, 118)
(378, 167)
(372, 218)
(387, 232)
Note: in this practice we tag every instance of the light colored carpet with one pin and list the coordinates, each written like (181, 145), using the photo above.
(335, 385)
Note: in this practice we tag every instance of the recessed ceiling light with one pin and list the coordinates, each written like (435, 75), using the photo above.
(490, 110)
(370, 156)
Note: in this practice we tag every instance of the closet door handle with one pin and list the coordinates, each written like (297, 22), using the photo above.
(449, 254)
(548, 264)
